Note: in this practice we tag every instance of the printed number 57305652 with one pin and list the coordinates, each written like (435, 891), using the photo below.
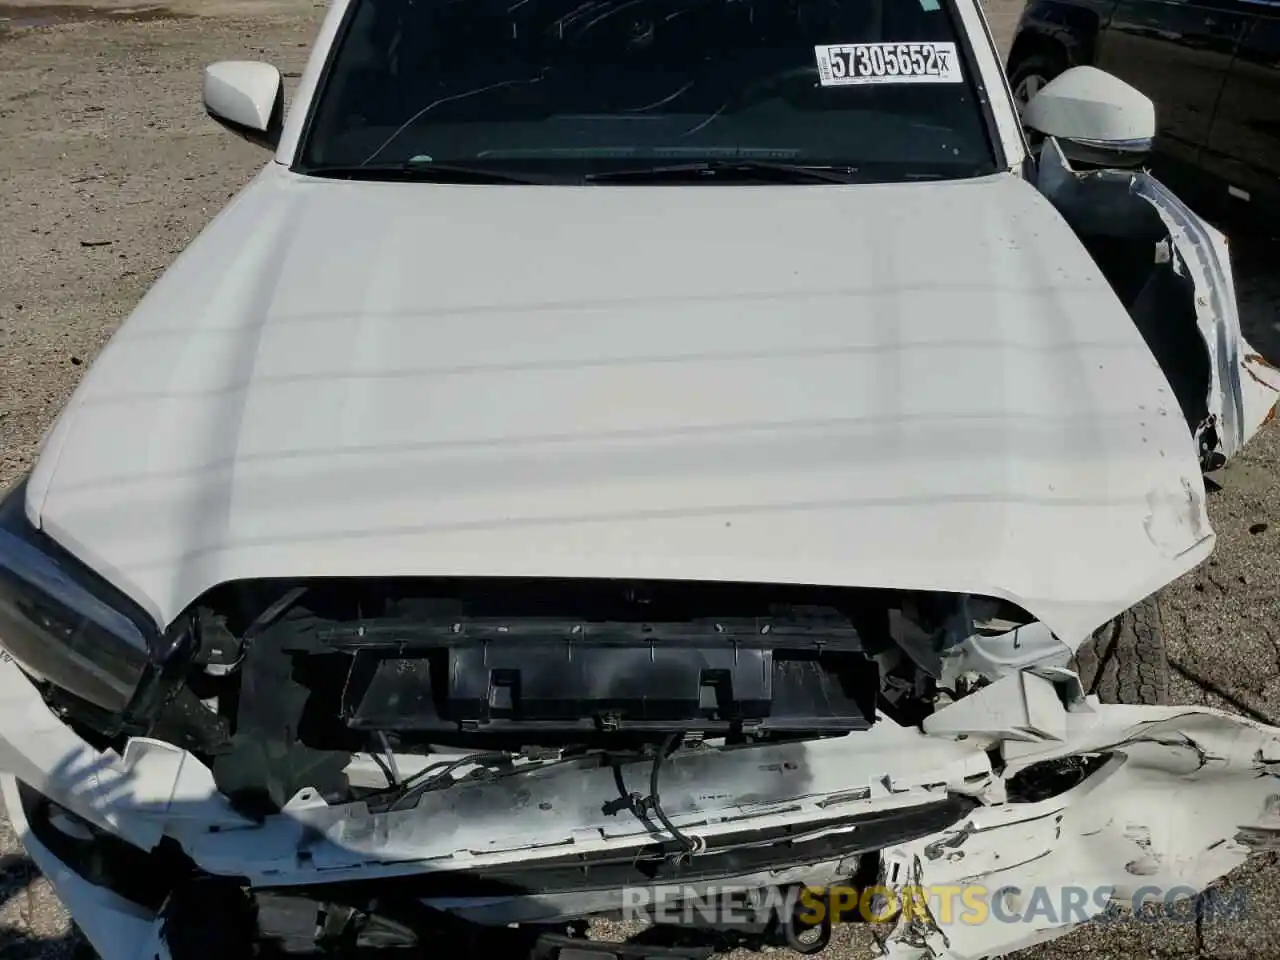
(855, 63)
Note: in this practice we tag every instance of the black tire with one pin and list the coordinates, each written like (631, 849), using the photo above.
(1125, 661)
(1042, 64)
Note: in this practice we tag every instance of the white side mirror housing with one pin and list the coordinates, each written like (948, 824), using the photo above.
(1094, 116)
(247, 98)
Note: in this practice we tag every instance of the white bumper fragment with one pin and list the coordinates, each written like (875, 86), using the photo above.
(1185, 795)
(118, 929)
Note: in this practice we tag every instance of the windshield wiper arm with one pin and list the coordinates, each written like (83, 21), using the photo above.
(422, 172)
(718, 169)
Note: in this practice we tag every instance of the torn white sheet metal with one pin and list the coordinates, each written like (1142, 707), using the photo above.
(138, 796)
(1244, 388)
(999, 654)
(161, 789)
(1243, 394)
(1188, 793)
(1260, 388)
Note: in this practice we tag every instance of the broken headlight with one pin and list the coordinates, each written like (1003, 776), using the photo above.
(63, 623)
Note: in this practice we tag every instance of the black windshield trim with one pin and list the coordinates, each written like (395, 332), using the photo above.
(803, 173)
(970, 54)
(322, 88)
(455, 173)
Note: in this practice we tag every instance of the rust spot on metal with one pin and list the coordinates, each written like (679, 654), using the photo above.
(1250, 361)
(1258, 379)
(1259, 360)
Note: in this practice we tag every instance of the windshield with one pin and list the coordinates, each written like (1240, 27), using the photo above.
(881, 89)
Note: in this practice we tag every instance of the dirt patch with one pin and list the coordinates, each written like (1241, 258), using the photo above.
(15, 17)
(21, 15)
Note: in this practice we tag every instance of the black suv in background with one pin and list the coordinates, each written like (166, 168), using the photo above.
(1211, 66)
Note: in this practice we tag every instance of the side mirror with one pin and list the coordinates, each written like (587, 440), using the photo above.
(1095, 117)
(247, 98)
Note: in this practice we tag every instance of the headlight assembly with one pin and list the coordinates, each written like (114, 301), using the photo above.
(65, 624)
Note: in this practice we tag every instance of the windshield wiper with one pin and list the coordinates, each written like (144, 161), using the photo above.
(736, 169)
(422, 172)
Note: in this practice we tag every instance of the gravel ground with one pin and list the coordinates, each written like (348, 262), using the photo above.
(110, 167)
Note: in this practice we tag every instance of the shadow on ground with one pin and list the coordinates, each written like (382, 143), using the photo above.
(17, 874)
(1258, 292)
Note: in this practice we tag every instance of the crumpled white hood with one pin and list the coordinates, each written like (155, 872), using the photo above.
(923, 386)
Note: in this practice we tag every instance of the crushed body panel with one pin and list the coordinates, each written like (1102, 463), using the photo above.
(1186, 794)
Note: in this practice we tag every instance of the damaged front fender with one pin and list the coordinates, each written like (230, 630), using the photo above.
(1244, 389)
(1173, 272)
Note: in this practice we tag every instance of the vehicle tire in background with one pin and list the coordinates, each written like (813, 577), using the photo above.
(1029, 73)
(1125, 661)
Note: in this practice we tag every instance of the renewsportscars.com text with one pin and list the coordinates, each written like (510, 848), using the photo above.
(945, 903)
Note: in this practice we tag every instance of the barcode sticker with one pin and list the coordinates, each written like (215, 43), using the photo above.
(850, 64)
